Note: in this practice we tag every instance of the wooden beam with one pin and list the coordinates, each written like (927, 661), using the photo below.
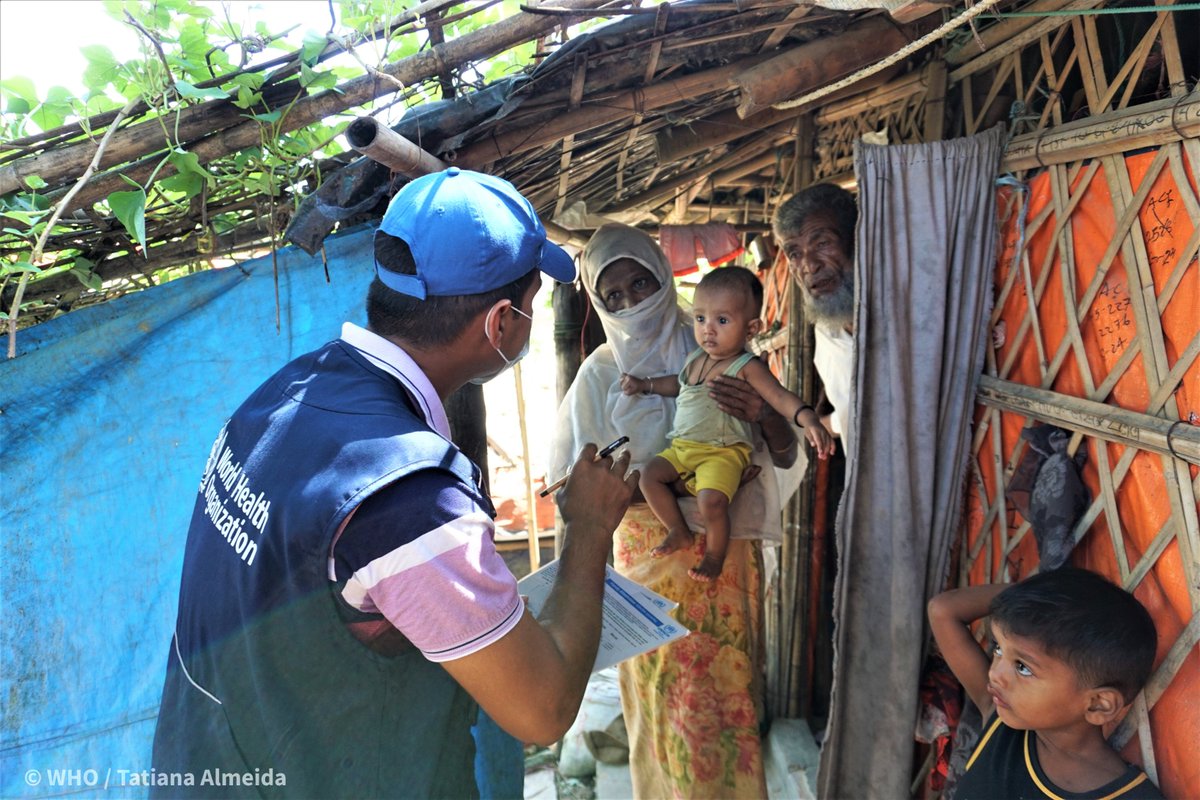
(913, 10)
(815, 64)
(564, 236)
(660, 27)
(785, 27)
(892, 92)
(578, 79)
(935, 102)
(727, 176)
(64, 164)
(699, 135)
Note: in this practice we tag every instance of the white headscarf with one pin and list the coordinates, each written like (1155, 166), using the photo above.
(652, 338)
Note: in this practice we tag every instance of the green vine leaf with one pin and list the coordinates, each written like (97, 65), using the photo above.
(130, 209)
(88, 278)
(317, 80)
(314, 45)
(272, 116)
(54, 110)
(102, 66)
(19, 88)
(183, 161)
(15, 267)
(35, 182)
(186, 89)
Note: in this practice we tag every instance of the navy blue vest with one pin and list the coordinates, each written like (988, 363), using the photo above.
(260, 628)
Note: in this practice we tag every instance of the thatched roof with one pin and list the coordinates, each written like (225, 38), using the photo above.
(590, 119)
(667, 114)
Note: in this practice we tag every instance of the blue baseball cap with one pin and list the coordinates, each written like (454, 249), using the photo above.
(469, 233)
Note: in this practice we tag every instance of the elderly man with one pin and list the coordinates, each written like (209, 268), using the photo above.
(343, 607)
(815, 229)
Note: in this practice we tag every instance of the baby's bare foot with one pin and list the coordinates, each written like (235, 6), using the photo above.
(676, 540)
(709, 568)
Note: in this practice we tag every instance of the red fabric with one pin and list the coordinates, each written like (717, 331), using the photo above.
(941, 706)
(716, 242)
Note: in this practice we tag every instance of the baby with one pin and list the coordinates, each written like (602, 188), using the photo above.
(710, 449)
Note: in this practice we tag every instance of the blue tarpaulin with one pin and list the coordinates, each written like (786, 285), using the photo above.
(107, 416)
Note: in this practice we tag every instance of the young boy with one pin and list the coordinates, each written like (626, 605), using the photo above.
(1069, 651)
(706, 442)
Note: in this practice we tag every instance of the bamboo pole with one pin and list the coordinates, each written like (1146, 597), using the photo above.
(935, 101)
(1101, 420)
(1148, 125)
(188, 124)
(381, 143)
(727, 176)
(1009, 42)
(531, 520)
(996, 35)
(246, 237)
(696, 136)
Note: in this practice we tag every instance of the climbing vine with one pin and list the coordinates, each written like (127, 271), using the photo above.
(163, 203)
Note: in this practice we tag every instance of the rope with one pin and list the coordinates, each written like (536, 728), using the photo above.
(894, 58)
(1079, 12)
(1022, 190)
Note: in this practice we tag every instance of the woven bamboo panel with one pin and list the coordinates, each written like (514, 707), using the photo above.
(1098, 298)
(908, 110)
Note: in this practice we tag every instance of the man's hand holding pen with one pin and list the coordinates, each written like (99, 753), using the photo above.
(597, 491)
(605, 453)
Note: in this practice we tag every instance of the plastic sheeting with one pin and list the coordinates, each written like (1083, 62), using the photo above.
(107, 415)
(1106, 331)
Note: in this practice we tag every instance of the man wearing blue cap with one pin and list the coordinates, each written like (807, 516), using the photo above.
(342, 606)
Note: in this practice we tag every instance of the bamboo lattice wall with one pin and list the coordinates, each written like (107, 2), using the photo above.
(1102, 231)
(1097, 322)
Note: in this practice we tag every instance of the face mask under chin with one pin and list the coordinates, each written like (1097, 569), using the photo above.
(479, 380)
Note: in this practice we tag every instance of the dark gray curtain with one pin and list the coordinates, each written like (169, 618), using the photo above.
(926, 245)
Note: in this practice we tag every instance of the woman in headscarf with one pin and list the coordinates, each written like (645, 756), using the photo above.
(692, 708)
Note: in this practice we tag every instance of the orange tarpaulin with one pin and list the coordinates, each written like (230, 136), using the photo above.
(1145, 495)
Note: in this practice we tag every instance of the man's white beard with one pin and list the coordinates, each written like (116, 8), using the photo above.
(836, 308)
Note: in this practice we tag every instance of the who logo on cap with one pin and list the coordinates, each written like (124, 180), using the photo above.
(469, 233)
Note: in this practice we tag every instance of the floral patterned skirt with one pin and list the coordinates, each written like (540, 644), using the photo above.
(692, 708)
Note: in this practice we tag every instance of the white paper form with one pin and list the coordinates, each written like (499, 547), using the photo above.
(633, 618)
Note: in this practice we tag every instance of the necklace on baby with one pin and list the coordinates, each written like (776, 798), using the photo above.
(706, 370)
